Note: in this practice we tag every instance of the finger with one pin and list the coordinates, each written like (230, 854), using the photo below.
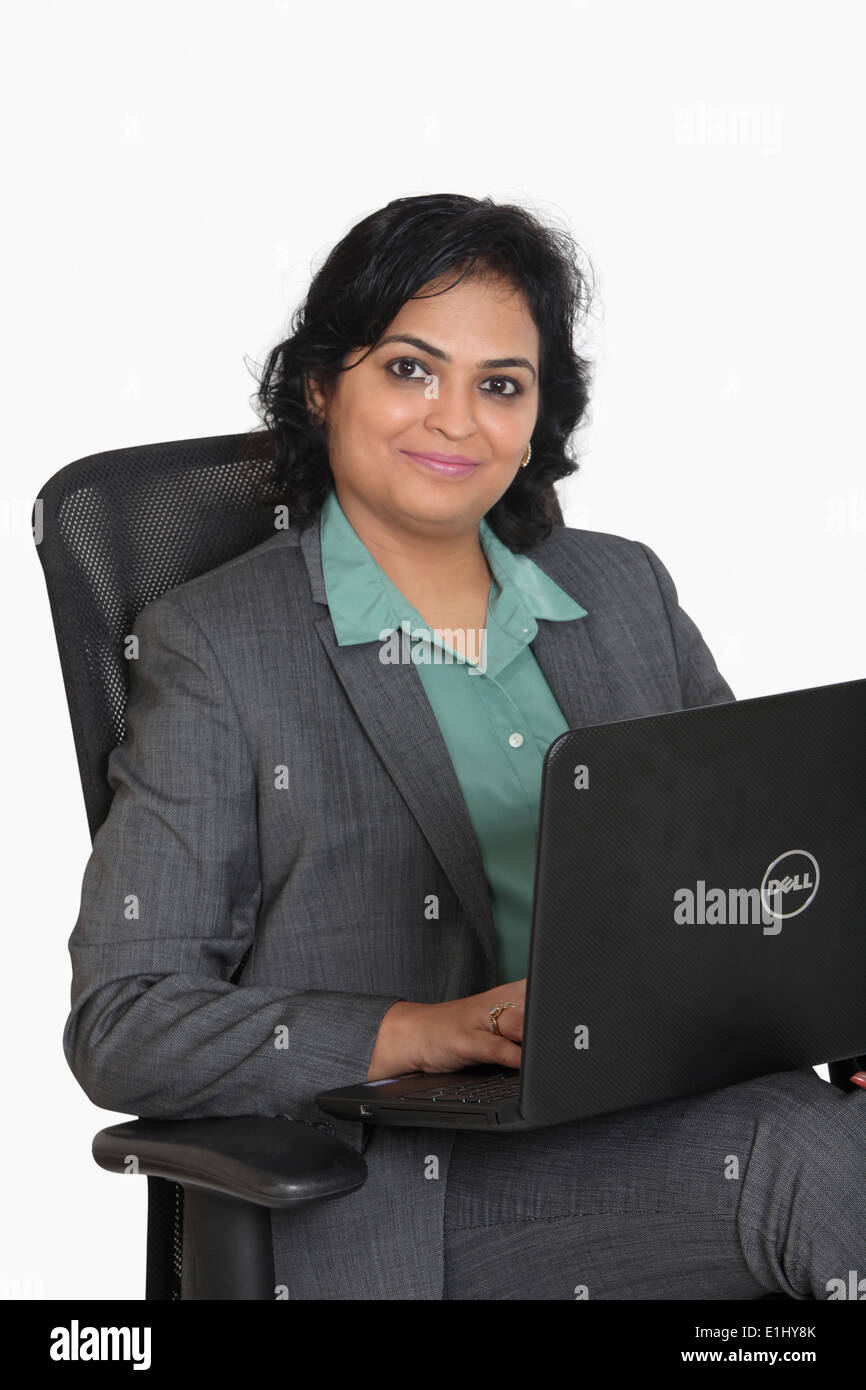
(503, 1052)
(509, 1024)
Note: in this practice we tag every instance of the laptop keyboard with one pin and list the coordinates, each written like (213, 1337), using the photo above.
(492, 1090)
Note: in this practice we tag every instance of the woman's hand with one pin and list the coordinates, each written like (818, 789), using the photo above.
(446, 1037)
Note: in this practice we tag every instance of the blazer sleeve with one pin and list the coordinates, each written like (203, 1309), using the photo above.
(700, 680)
(169, 904)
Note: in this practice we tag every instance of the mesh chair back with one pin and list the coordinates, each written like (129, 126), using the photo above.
(114, 531)
(118, 530)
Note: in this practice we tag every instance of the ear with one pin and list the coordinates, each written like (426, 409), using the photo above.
(316, 400)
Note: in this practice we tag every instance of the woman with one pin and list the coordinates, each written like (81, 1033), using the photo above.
(318, 862)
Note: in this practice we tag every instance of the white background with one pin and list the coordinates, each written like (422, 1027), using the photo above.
(174, 172)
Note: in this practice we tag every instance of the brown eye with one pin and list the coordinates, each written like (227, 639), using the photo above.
(516, 389)
(406, 362)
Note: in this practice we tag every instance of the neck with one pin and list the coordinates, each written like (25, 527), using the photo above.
(415, 558)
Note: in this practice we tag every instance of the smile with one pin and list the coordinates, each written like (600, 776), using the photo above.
(448, 465)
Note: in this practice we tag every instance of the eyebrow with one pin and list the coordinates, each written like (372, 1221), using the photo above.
(437, 352)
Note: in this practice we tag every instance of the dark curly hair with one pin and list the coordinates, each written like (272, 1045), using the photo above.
(382, 262)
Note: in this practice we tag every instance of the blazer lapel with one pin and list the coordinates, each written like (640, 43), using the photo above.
(392, 705)
(565, 653)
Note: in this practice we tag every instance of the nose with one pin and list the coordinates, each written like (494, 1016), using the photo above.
(450, 408)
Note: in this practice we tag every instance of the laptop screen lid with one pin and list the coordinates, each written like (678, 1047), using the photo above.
(700, 901)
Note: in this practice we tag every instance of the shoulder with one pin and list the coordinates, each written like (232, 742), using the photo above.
(268, 583)
(600, 565)
(589, 548)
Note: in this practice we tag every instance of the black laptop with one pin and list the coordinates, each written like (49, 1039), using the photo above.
(699, 916)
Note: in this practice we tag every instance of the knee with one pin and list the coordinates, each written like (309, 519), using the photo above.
(800, 1105)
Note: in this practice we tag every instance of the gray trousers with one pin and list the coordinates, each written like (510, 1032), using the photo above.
(751, 1189)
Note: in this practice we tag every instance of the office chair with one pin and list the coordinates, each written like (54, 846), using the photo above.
(114, 531)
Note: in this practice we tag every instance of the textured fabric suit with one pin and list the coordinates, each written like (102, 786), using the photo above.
(280, 791)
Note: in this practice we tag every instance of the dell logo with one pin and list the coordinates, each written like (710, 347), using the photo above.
(790, 883)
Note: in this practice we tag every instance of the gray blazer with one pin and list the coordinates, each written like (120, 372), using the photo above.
(280, 791)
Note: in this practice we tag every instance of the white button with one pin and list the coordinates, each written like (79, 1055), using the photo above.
(516, 740)
(526, 629)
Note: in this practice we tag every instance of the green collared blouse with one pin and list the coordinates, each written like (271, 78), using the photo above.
(494, 708)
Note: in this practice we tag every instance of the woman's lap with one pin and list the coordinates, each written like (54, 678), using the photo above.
(751, 1189)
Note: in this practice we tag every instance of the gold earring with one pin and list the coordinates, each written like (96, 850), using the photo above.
(527, 456)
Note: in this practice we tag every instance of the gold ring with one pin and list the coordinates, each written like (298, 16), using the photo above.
(494, 1015)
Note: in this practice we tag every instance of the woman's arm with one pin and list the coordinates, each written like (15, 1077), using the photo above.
(700, 680)
(169, 906)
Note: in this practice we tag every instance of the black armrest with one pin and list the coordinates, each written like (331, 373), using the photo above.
(271, 1161)
(231, 1171)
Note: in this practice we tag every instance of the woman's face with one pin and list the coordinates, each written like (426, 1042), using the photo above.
(479, 344)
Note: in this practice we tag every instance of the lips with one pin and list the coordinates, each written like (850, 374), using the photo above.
(446, 465)
(441, 458)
